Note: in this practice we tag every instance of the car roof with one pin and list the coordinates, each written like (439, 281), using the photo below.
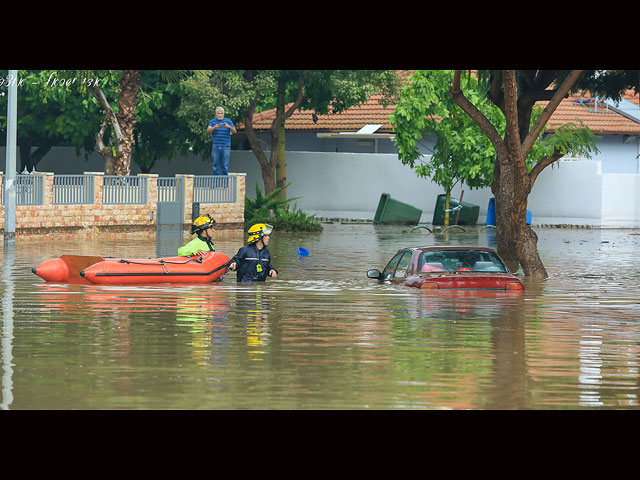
(449, 247)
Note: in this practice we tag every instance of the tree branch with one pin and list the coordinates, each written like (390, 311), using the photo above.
(542, 164)
(294, 106)
(495, 89)
(100, 135)
(99, 94)
(544, 78)
(512, 134)
(476, 115)
(542, 120)
(298, 100)
(251, 134)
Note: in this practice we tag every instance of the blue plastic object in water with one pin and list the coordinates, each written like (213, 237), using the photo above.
(303, 252)
(491, 214)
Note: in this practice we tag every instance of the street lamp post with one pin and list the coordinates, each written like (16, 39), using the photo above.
(10, 171)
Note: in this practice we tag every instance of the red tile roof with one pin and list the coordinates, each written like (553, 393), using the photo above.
(574, 109)
(593, 114)
(351, 120)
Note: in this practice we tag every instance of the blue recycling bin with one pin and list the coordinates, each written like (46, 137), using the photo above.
(491, 213)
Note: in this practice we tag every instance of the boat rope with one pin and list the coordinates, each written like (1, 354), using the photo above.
(144, 274)
(160, 262)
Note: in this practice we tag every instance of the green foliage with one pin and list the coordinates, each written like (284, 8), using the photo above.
(569, 139)
(160, 133)
(333, 91)
(278, 212)
(609, 83)
(462, 152)
(206, 90)
(49, 111)
(56, 105)
(324, 91)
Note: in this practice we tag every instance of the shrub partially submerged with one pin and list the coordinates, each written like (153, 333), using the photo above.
(278, 212)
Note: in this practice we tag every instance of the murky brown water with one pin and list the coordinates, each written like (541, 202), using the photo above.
(322, 335)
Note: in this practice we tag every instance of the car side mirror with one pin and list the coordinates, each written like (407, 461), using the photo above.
(374, 273)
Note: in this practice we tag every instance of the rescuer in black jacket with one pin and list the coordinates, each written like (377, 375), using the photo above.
(253, 262)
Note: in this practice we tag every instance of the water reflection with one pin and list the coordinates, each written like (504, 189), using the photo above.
(322, 335)
(168, 239)
(7, 325)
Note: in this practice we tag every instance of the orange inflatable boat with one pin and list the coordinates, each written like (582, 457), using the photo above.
(118, 271)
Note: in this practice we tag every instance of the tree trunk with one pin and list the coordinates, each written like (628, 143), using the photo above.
(281, 162)
(447, 207)
(127, 101)
(278, 139)
(268, 179)
(516, 241)
(117, 159)
(269, 166)
(266, 167)
(519, 242)
(108, 153)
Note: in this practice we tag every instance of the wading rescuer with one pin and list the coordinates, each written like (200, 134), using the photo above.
(253, 262)
(203, 226)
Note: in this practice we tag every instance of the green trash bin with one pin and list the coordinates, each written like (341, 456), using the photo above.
(393, 211)
(468, 213)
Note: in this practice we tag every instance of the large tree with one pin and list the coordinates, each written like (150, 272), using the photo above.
(516, 94)
(244, 93)
(461, 152)
(115, 139)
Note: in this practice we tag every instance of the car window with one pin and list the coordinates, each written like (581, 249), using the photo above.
(460, 260)
(401, 271)
(389, 270)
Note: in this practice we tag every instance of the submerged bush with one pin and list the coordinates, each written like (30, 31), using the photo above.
(278, 212)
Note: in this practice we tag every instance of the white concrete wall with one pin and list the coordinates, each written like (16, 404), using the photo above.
(349, 185)
(569, 192)
(621, 200)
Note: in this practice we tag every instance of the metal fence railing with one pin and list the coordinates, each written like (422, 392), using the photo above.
(119, 190)
(29, 189)
(169, 189)
(214, 189)
(124, 190)
(73, 189)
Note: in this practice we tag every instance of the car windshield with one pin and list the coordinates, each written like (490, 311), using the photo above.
(460, 260)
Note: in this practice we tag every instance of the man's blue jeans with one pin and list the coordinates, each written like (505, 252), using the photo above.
(220, 156)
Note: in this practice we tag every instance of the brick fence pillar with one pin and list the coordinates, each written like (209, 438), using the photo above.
(152, 194)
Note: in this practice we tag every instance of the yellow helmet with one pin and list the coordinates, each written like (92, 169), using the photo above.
(257, 231)
(202, 223)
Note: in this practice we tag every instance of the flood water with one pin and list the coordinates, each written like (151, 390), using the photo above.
(322, 335)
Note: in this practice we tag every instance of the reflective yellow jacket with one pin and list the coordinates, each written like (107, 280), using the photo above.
(194, 245)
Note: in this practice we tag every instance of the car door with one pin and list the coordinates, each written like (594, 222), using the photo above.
(403, 265)
(389, 270)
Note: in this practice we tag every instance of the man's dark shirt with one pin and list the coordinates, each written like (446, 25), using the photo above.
(253, 264)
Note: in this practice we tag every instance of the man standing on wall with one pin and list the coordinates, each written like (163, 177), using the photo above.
(221, 129)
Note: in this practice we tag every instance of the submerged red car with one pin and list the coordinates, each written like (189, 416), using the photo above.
(448, 268)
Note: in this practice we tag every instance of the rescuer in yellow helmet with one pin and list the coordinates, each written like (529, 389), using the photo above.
(203, 227)
(253, 261)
